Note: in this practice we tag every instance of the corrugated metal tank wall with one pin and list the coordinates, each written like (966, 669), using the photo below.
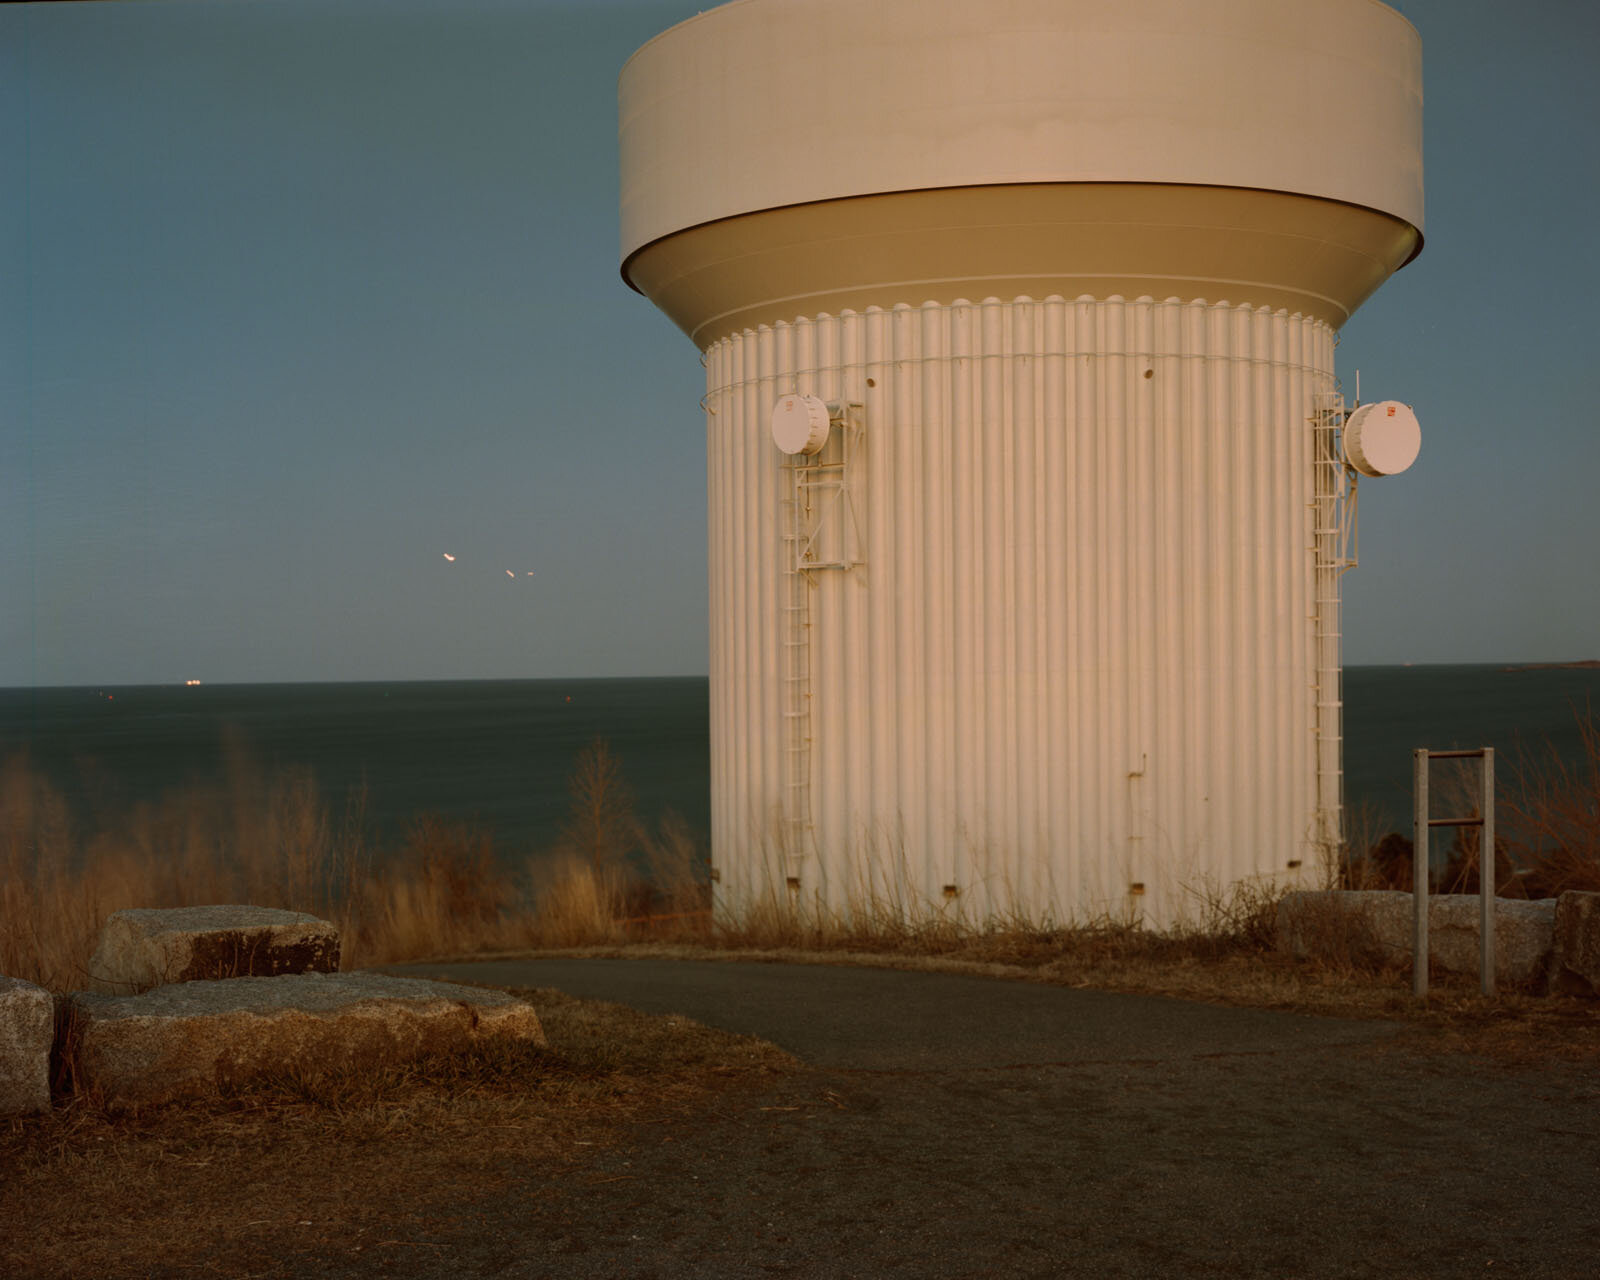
(1078, 653)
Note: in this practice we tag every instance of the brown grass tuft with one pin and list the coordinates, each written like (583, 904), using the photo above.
(1552, 811)
(271, 841)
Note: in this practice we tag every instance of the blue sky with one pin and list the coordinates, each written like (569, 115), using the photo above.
(298, 295)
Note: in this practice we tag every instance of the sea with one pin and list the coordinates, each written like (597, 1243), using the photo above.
(498, 754)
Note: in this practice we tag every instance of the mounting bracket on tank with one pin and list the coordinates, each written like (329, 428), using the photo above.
(1337, 488)
(824, 476)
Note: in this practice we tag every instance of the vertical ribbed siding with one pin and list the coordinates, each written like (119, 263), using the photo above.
(1078, 654)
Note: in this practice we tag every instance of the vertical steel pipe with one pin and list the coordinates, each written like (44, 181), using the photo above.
(1486, 875)
(1419, 876)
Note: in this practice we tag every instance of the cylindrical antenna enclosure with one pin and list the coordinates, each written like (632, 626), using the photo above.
(1382, 438)
(800, 424)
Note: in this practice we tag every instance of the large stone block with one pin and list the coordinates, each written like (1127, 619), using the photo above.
(142, 948)
(1575, 965)
(189, 1039)
(1375, 925)
(27, 1025)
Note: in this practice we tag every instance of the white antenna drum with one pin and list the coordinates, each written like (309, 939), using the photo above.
(800, 424)
(1382, 438)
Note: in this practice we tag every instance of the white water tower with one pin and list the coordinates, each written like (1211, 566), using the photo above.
(1026, 460)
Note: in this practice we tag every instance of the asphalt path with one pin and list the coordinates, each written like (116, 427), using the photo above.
(950, 1126)
(899, 1020)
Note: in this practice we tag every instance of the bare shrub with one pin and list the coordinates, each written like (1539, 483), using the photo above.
(611, 878)
(445, 893)
(601, 828)
(1551, 813)
(1383, 865)
(1547, 816)
(677, 901)
(1332, 934)
(1350, 869)
(1243, 916)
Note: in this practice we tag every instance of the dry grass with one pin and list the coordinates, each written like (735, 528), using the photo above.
(272, 842)
(266, 842)
(1552, 810)
(1547, 820)
(611, 883)
(348, 1167)
(448, 893)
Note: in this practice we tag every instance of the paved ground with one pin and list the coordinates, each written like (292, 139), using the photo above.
(954, 1126)
(886, 1019)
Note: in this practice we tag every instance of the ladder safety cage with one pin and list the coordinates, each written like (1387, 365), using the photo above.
(821, 530)
(1334, 551)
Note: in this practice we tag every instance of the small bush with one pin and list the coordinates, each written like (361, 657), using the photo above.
(1551, 811)
(446, 892)
(601, 827)
(577, 904)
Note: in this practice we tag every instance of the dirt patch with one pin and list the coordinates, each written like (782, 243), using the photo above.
(645, 1146)
(348, 1169)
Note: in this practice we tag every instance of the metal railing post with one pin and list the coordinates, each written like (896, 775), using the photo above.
(1419, 866)
(1486, 874)
(1419, 875)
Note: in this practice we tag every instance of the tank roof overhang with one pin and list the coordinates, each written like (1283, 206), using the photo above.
(1260, 248)
(738, 118)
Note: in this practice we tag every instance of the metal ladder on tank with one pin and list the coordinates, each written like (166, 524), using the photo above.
(796, 834)
(1334, 551)
(817, 489)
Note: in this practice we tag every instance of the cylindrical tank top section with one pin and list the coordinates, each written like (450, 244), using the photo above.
(1069, 664)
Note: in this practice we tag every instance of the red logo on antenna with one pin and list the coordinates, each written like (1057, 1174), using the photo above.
(1391, 411)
